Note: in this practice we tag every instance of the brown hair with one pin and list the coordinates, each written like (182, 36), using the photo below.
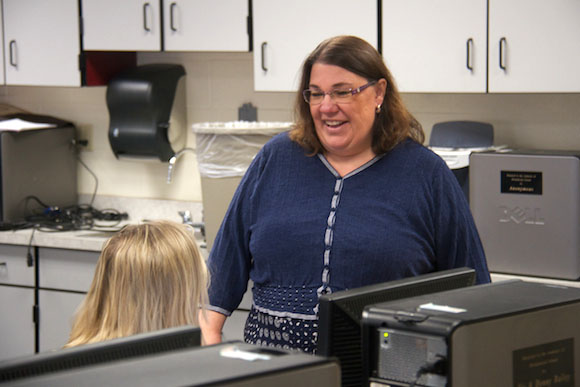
(392, 124)
(148, 277)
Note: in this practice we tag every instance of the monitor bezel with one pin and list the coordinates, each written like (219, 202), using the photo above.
(102, 352)
(338, 305)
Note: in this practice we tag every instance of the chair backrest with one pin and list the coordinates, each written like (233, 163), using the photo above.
(461, 134)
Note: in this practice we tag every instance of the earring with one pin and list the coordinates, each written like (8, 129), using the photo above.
(378, 110)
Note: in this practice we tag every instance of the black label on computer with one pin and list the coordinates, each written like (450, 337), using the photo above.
(519, 182)
(550, 364)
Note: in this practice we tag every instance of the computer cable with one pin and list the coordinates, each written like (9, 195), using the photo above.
(437, 366)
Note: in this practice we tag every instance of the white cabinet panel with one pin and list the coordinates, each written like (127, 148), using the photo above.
(66, 269)
(2, 79)
(186, 25)
(539, 46)
(61, 271)
(436, 46)
(206, 25)
(17, 327)
(14, 269)
(56, 312)
(16, 322)
(42, 42)
(128, 25)
(286, 32)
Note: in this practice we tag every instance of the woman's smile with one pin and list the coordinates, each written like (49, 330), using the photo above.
(343, 128)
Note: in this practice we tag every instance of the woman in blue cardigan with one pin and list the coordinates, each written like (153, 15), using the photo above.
(347, 198)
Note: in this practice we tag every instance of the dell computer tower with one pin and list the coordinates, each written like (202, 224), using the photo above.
(526, 206)
(510, 333)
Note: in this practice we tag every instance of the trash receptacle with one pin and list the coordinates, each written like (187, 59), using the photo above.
(224, 152)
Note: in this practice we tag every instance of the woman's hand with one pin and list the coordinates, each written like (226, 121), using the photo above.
(211, 324)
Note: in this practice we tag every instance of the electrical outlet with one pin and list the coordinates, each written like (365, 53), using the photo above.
(85, 136)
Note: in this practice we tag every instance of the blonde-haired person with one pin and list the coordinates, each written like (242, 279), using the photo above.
(148, 277)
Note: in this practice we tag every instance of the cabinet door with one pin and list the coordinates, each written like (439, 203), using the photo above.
(42, 42)
(65, 269)
(286, 32)
(56, 310)
(2, 79)
(128, 25)
(436, 46)
(205, 25)
(14, 269)
(534, 46)
(16, 322)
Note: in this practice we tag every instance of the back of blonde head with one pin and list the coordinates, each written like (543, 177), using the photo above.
(149, 277)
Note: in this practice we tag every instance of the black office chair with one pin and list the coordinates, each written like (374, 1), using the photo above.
(461, 134)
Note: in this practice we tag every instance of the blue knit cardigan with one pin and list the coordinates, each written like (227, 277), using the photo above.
(298, 229)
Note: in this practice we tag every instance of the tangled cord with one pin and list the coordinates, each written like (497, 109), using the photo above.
(80, 217)
(437, 366)
(72, 218)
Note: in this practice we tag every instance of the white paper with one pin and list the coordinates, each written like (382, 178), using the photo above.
(442, 308)
(234, 352)
(17, 125)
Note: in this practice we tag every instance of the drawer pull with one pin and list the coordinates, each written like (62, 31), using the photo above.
(3, 264)
(146, 6)
(469, 53)
(502, 52)
(172, 16)
(13, 53)
(264, 44)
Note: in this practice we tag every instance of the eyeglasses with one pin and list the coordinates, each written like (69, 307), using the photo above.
(315, 96)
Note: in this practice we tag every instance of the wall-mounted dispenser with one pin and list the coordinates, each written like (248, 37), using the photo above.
(140, 101)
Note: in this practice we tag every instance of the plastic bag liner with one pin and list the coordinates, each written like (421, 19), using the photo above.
(226, 149)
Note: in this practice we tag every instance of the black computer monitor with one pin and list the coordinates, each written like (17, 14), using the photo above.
(230, 364)
(340, 315)
(102, 352)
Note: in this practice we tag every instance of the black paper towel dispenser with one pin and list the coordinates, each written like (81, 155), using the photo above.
(140, 103)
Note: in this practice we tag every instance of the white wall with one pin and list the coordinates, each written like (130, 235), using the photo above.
(218, 83)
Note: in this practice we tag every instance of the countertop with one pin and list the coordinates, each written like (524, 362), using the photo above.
(138, 210)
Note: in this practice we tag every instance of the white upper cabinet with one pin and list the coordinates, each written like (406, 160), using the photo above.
(436, 46)
(285, 32)
(206, 25)
(2, 79)
(42, 42)
(534, 46)
(440, 46)
(186, 25)
(127, 25)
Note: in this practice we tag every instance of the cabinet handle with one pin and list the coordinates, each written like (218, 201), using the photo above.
(171, 18)
(502, 45)
(469, 49)
(264, 44)
(146, 7)
(3, 264)
(13, 53)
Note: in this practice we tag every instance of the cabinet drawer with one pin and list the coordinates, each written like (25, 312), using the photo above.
(14, 269)
(66, 269)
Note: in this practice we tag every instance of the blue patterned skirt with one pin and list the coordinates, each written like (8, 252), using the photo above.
(281, 332)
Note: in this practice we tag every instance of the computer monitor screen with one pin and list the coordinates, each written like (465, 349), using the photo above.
(340, 315)
(102, 352)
